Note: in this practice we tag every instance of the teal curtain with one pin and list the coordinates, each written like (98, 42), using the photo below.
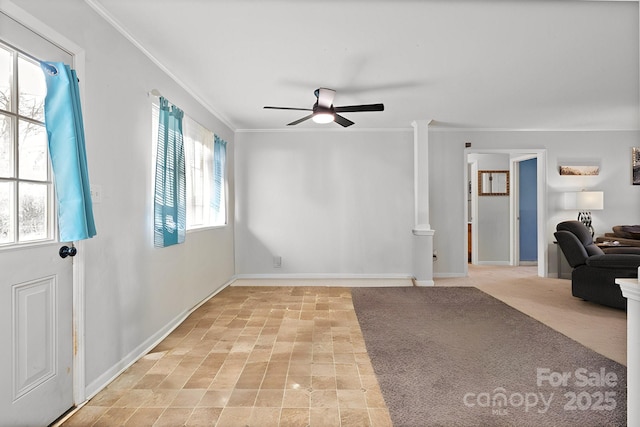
(170, 217)
(65, 130)
(219, 164)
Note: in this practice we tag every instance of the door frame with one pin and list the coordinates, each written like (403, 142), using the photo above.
(473, 181)
(541, 197)
(78, 269)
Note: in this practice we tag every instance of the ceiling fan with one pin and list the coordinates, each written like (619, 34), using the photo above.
(323, 110)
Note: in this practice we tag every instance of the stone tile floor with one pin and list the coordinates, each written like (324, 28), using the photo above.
(251, 356)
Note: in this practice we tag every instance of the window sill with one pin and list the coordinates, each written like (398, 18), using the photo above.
(206, 228)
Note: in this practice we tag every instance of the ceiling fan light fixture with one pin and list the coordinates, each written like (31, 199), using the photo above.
(323, 110)
(323, 117)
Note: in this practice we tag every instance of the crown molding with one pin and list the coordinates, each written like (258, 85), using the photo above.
(100, 10)
(318, 130)
(433, 129)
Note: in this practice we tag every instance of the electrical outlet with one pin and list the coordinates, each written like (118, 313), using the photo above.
(96, 194)
(277, 261)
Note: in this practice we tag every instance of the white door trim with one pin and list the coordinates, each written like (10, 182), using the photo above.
(474, 213)
(39, 27)
(541, 155)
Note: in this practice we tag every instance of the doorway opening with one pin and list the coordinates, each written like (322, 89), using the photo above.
(498, 240)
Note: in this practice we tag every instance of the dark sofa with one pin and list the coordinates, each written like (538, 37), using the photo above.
(622, 234)
(594, 272)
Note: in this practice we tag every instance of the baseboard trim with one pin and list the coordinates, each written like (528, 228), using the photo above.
(422, 283)
(528, 263)
(448, 275)
(116, 370)
(344, 280)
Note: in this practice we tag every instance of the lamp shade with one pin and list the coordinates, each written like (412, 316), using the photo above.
(584, 200)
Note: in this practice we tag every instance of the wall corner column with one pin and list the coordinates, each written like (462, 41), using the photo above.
(422, 231)
(631, 291)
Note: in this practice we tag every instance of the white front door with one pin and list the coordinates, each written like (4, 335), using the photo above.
(36, 284)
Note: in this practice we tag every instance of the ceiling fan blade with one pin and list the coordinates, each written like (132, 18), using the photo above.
(300, 120)
(325, 97)
(342, 121)
(356, 108)
(288, 108)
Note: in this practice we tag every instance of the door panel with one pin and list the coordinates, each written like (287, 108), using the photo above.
(36, 382)
(528, 207)
(34, 334)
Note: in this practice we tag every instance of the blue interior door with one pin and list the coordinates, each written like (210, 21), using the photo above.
(528, 210)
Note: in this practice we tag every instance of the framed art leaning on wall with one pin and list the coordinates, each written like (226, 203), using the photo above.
(635, 161)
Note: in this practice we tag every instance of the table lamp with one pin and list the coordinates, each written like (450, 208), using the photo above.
(584, 202)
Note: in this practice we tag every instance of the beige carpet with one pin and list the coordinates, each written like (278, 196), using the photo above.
(549, 300)
(440, 352)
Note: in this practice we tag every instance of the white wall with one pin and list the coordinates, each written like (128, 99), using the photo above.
(493, 217)
(133, 290)
(612, 150)
(314, 198)
(328, 202)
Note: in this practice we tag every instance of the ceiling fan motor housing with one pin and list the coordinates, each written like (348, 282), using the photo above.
(319, 109)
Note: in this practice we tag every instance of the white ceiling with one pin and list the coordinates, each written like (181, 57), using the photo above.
(472, 64)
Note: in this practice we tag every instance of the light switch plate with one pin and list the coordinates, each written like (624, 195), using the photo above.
(96, 193)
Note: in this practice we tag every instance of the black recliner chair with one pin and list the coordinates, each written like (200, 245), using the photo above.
(594, 272)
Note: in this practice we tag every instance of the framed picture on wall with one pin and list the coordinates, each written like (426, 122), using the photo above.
(635, 159)
(579, 170)
(493, 183)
